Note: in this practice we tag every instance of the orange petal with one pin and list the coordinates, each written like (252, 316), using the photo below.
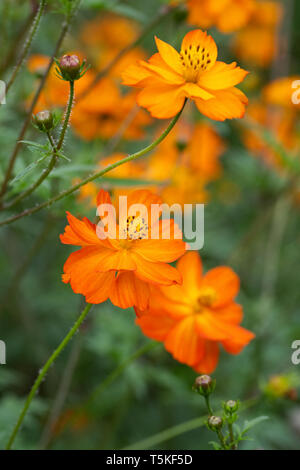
(164, 251)
(164, 73)
(103, 197)
(129, 291)
(190, 267)
(222, 76)
(209, 328)
(232, 313)
(225, 283)
(162, 101)
(169, 55)
(135, 75)
(100, 286)
(193, 90)
(202, 39)
(210, 360)
(155, 325)
(227, 104)
(183, 342)
(156, 273)
(79, 232)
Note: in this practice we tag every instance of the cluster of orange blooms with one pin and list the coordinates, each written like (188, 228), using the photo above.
(192, 313)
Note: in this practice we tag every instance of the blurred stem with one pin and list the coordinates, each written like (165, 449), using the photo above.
(28, 43)
(175, 431)
(7, 177)
(221, 439)
(43, 373)
(118, 371)
(69, 191)
(231, 436)
(209, 408)
(67, 116)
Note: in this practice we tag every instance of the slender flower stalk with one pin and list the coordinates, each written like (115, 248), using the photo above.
(43, 373)
(100, 173)
(54, 157)
(15, 152)
(67, 116)
(28, 43)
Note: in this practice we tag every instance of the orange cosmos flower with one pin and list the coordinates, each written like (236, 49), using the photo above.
(226, 15)
(256, 44)
(195, 318)
(170, 77)
(187, 164)
(121, 269)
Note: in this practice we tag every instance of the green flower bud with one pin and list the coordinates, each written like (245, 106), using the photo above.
(214, 423)
(70, 67)
(44, 121)
(231, 406)
(204, 385)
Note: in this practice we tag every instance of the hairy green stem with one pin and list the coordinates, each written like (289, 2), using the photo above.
(67, 117)
(54, 158)
(43, 373)
(100, 173)
(13, 157)
(28, 43)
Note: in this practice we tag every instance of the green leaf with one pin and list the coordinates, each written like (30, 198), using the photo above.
(250, 424)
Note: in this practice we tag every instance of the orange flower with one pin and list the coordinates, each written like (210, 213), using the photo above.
(121, 269)
(169, 78)
(256, 44)
(97, 114)
(195, 318)
(187, 166)
(226, 15)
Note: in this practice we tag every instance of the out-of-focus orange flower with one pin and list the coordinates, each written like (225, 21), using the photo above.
(98, 113)
(256, 44)
(226, 15)
(122, 269)
(106, 37)
(187, 167)
(195, 318)
(282, 386)
(169, 77)
(277, 113)
(280, 91)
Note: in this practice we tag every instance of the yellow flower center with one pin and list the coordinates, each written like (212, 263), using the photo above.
(205, 299)
(194, 60)
(136, 228)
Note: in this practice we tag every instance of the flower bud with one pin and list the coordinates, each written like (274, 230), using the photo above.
(214, 423)
(231, 406)
(44, 120)
(70, 67)
(204, 385)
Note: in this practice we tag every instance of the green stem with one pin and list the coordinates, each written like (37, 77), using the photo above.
(69, 191)
(53, 160)
(43, 373)
(28, 43)
(221, 439)
(231, 436)
(67, 117)
(15, 152)
(209, 408)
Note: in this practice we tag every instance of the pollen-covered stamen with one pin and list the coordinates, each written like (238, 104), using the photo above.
(195, 59)
(136, 228)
